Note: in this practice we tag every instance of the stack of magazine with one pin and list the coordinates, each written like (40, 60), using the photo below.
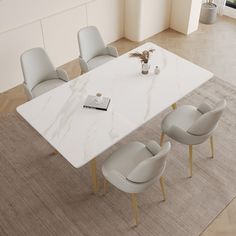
(93, 102)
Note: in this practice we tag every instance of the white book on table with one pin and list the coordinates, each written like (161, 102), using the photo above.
(93, 102)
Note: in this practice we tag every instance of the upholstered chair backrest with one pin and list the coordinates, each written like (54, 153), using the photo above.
(90, 43)
(208, 121)
(36, 67)
(151, 167)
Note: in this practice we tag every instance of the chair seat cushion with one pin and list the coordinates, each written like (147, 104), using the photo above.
(99, 60)
(126, 158)
(46, 86)
(182, 117)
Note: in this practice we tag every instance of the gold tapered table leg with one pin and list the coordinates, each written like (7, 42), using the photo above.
(94, 175)
(162, 188)
(105, 184)
(135, 207)
(191, 160)
(174, 106)
(212, 146)
(162, 138)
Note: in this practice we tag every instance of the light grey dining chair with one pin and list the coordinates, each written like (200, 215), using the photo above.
(135, 167)
(40, 75)
(191, 126)
(93, 51)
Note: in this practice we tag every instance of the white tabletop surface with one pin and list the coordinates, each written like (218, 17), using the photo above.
(80, 134)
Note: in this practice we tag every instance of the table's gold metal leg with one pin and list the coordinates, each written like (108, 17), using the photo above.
(94, 175)
(163, 188)
(174, 106)
(162, 138)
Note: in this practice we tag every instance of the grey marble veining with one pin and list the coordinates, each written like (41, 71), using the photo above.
(81, 134)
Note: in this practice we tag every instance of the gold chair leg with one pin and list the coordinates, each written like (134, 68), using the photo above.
(162, 138)
(191, 160)
(135, 207)
(212, 146)
(94, 175)
(174, 106)
(105, 185)
(162, 188)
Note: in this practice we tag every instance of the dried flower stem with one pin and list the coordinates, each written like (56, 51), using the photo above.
(144, 56)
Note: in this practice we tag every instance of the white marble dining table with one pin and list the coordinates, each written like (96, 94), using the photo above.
(80, 134)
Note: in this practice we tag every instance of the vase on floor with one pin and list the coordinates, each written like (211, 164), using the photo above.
(208, 13)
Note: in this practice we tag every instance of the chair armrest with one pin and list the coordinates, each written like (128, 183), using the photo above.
(179, 135)
(116, 178)
(62, 74)
(112, 51)
(204, 108)
(185, 137)
(153, 147)
(83, 65)
(28, 92)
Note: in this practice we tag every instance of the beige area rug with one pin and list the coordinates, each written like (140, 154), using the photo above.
(42, 194)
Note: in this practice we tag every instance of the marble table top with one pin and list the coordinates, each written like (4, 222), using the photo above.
(80, 134)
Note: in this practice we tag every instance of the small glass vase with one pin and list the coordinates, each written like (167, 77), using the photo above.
(145, 68)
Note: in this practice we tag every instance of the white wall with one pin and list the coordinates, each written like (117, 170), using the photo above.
(132, 20)
(194, 16)
(185, 15)
(53, 24)
(144, 18)
(155, 16)
(108, 16)
(60, 34)
(180, 15)
(15, 13)
(12, 44)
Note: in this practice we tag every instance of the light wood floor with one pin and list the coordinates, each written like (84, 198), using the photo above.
(212, 47)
